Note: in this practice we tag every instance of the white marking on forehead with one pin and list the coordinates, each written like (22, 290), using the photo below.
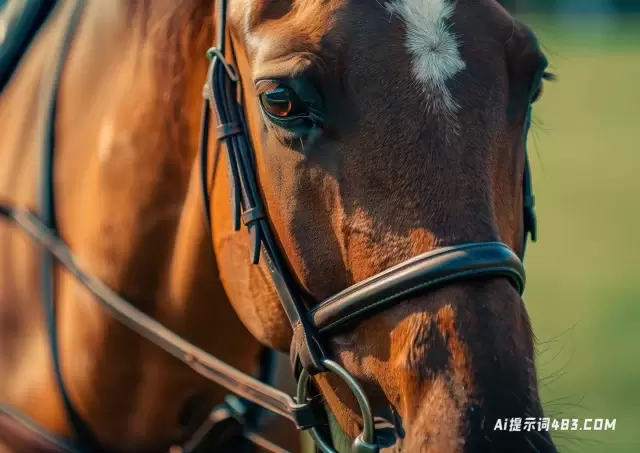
(431, 44)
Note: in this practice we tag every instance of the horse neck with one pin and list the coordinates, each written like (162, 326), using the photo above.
(129, 208)
(135, 146)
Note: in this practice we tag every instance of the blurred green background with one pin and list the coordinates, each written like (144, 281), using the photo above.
(584, 285)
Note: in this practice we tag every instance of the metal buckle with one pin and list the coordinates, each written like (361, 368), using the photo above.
(365, 442)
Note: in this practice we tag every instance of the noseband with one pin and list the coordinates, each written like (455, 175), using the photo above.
(312, 325)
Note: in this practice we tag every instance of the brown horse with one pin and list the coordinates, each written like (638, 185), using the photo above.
(423, 109)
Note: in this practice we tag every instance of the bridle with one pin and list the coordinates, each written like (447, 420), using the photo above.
(311, 326)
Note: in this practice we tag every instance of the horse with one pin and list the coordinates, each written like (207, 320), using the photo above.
(375, 152)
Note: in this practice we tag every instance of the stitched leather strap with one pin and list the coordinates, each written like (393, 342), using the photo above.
(246, 198)
(426, 271)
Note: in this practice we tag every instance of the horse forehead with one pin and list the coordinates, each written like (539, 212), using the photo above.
(430, 42)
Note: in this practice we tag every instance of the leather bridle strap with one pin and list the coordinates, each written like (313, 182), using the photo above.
(304, 415)
(221, 96)
(427, 271)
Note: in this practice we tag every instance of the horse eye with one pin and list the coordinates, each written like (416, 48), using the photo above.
(281, 102)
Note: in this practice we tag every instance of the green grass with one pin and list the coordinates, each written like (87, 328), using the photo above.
(584, 34)
(584, 280)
